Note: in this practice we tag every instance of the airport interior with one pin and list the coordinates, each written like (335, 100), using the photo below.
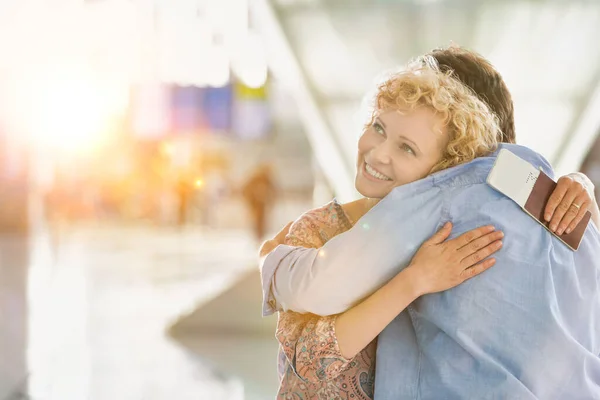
(137, 135)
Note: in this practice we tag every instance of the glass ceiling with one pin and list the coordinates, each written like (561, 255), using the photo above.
(547, 52)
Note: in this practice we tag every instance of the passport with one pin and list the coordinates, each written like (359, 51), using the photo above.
(531, 189)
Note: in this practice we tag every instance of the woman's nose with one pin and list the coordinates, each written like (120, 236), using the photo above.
(381, 154)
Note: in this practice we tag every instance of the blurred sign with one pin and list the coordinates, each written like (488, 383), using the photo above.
(251, 112)
(159, 110)
(218, 104)
(187, 110)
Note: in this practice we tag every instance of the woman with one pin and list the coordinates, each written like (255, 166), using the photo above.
(424, 121)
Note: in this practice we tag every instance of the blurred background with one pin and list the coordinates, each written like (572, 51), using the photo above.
(147, 146)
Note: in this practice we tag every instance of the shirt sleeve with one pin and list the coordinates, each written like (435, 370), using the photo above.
(309, 232)
(286, 256)
(303, 234)
(310, 344)
(356, 262)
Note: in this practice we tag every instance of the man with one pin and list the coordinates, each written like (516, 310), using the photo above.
(525, 329)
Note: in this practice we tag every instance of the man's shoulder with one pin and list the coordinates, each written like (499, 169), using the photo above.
(476, 172)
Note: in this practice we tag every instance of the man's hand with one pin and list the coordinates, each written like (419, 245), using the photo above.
(270, 244)
(573, 196)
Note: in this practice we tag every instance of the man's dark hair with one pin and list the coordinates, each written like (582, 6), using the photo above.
(473, 70)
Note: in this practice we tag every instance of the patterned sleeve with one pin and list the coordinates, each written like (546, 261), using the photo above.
(317, 226)
(309, 341)
(310, 346)
(304, 232)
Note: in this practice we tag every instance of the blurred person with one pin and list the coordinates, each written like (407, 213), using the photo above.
(215, 190)
(259, 192)
(450, 345)
(184, 192)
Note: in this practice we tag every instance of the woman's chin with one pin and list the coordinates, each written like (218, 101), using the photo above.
(372, 190)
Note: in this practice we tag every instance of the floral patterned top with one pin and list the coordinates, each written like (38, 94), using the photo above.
(311, 366)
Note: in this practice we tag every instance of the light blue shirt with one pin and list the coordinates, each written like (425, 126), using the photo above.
(528, 328)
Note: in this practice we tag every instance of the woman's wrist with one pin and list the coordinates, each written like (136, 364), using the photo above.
(410, 281)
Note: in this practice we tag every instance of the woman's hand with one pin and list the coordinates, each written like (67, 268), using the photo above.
(270, 245)
(569, 202)
(440, 265)
(437, 266)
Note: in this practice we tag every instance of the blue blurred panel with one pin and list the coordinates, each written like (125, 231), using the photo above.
(251, 119)
(187, 109)
(218, 103)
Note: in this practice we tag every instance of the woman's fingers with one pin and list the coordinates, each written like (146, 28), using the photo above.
(477, 269)
(482, 254)
(441, 235)
(562, 187)
(269, 245)
(584, 208)
(577, 206)
(442, 265)
(479, 243)
(568, 207)
(468, 237)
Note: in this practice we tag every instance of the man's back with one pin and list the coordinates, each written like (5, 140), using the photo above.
(525, 329)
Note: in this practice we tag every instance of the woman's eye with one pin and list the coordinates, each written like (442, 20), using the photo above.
(378, 128)
(407, 148)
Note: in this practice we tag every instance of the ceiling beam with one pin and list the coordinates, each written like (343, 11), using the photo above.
(287, 68)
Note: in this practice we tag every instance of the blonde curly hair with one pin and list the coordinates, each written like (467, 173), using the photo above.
(472, 128)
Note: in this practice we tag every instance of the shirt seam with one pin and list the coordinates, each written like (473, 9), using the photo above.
(411, 312)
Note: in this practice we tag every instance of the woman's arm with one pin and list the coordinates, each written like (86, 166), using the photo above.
(310, 345)
(320, 348)
(308, 340)
(437, 266)
(270, 245)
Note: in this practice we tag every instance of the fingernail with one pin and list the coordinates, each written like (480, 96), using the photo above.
(548, 217)
(553, 227)
(568, 231)
(501, 234)
(561, 230)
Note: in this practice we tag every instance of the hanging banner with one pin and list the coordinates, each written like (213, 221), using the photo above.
(252, 113)
(187, 107)
(218, 103)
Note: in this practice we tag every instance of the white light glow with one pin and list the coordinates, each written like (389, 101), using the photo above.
(249, 61)
(217, 67)
(68, 108)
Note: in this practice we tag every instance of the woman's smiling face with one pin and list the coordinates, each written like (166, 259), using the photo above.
(398, 148)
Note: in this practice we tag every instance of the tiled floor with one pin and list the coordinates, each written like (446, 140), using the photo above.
(102, 297)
